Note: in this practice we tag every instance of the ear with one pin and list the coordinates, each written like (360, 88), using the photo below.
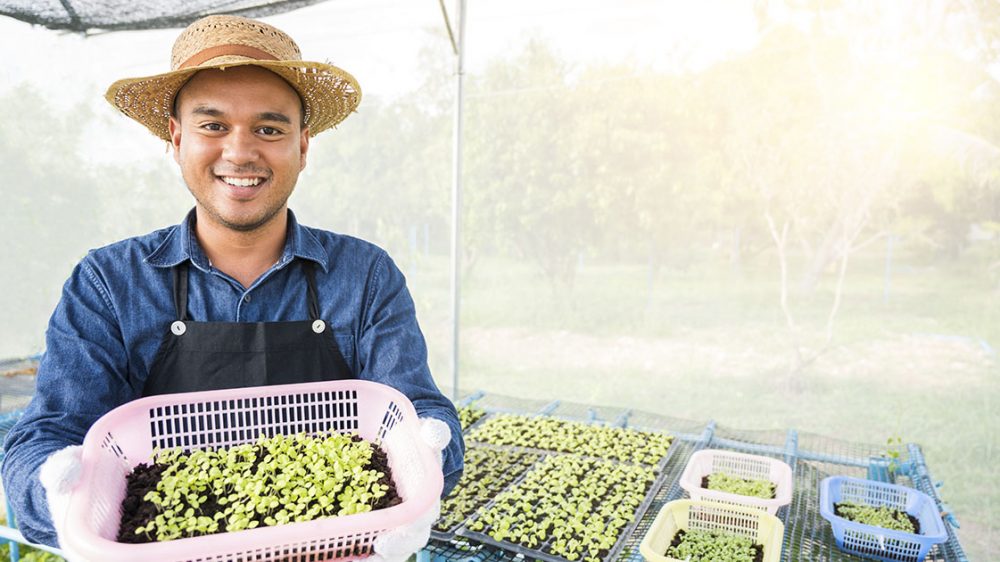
(175, 137)
(303, 148)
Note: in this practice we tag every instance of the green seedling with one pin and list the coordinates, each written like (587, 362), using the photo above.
(712, 546)
(275, 481)
(881, 516)
(756, 488)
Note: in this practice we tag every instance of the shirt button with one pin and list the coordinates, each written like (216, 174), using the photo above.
(246, 298)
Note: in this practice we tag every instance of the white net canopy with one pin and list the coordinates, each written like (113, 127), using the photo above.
(89, 16)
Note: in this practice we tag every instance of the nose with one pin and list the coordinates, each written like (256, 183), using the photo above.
(240, 147)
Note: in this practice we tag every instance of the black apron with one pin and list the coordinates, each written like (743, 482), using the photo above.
(197, 356)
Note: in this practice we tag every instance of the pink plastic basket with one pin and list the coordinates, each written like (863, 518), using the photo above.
(128, 434)
(741, 465)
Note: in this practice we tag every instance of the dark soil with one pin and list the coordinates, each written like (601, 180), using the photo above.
(137, 512)
(758, 550)
(704, 484)
(913, 520)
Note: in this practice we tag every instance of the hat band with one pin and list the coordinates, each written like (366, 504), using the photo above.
(223, 50)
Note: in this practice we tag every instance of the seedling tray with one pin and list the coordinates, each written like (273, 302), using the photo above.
(541, 552)
(474, 435)
(478, 413)
(461, 529)
(505, 476)
(656, 468)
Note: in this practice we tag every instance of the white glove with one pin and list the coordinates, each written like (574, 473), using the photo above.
(401, 543)
(59, 474)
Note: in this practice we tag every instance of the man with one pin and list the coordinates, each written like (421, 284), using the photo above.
(238, 294)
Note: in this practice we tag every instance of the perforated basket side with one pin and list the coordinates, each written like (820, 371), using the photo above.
(112, 465)
(213, 423)
(714, 517)
(877, 545)
(341, 548)
(861, 491)
(750, 467)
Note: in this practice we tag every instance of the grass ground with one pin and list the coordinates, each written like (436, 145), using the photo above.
(704, 343)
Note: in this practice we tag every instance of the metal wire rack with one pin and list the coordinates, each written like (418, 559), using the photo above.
(807, 538)
(17, 383)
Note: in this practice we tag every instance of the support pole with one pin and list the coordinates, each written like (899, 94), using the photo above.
(456, 200)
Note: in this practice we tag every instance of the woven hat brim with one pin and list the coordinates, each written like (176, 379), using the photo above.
(330, 94)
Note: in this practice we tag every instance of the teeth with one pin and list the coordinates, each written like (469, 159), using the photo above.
(241, 182)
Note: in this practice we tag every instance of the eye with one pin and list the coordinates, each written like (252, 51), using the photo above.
(269, 131)
(212, 126)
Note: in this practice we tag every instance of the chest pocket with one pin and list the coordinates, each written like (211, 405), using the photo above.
(345, 343)
(312, 357)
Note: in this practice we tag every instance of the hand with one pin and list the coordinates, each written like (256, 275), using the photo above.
(401, 543)
(59, 474)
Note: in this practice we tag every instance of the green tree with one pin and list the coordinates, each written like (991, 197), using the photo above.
(48, 194)
(524, 194)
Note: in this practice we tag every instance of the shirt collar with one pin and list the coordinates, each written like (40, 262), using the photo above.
(181, 244)
(302, 243)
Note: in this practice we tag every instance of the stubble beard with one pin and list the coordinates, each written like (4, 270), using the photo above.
(243, 227)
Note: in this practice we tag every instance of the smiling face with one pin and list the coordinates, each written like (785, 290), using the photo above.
(240, 144)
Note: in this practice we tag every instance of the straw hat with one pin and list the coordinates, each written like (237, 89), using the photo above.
(328, 93)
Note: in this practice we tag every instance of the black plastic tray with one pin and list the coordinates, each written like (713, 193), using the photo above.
(531, 553)
(658, 467)
(451, 532)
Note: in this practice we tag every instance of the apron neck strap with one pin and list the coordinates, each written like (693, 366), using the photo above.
(310, 270)
(181, 290)
(180, 272)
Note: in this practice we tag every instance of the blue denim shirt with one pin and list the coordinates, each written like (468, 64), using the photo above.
(118, 305)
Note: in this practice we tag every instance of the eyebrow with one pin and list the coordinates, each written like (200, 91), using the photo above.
(211, 112)
(265, 116)
(274, 116)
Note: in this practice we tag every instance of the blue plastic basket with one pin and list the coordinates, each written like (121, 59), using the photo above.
(876, 542)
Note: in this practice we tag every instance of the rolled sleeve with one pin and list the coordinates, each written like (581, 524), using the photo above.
(392, 351)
